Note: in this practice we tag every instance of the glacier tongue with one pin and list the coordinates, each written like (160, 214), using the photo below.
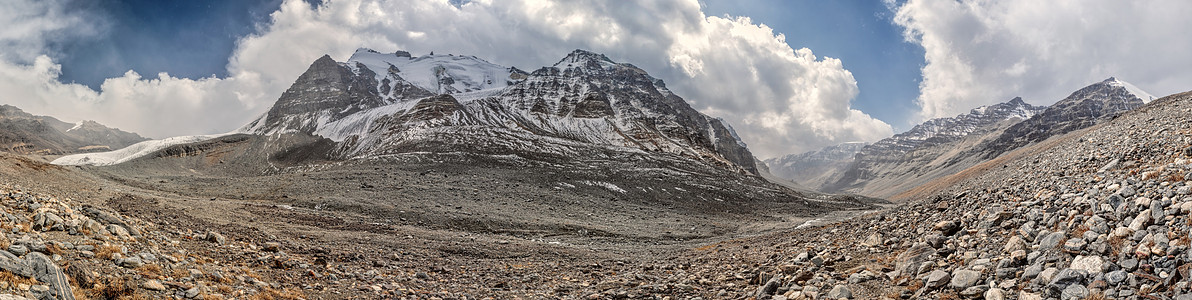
(131, 152)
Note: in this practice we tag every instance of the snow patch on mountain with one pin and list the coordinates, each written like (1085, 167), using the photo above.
(1137, 92)
(440, 74)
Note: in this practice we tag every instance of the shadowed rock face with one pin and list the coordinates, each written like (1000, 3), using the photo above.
(584, 103)
(430, 108)
(331, 90)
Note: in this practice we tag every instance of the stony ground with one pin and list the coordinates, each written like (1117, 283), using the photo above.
(1103, 213)
(428, 237)
(57, 248)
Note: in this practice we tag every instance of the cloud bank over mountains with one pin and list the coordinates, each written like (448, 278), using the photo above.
(780, 99)
(985, 52)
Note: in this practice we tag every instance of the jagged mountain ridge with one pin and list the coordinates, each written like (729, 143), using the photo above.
(944, 130)
(22, 132)
(901, 148)
(586, 104)
(1085, 107)
(945, 146)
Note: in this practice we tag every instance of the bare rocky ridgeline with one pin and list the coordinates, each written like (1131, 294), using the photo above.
(1102, 213)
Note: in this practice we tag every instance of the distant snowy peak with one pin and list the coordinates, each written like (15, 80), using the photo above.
(1015, 108)
(813, 169)
(965, 124)
(439, 74)
(1133, 90)
(840, 152)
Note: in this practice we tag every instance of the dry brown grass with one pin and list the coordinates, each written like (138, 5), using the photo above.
(27, 227)
(116, 288)
(273, 294)
(13, 279)
(1178, 176)
(949, 295)
(224, 289)
(1115, 245)
(914, 286)
(150, 271)
(1150, 175)
(106, 251)
(1079, 231)
(1097, 296)
(53, 248)
(179, 273)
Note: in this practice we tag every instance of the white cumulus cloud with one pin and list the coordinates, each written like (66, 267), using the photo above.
(781, 100)
(984, 52)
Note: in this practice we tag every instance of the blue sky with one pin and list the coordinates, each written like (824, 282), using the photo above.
(844, 71)
(190, 39)
(859, 33)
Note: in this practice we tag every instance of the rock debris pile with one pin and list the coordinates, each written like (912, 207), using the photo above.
(56, 249)
(1099, 214)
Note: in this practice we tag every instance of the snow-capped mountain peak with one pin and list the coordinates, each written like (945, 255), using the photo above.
(581, 57)
(439, 74)
(1137, 92)
(377, 103)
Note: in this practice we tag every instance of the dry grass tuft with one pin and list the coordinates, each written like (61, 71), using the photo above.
(1115, 245)
(1178, 176)
(949, 295)
(106, 251)
(116, 288)
(14, 279)
(1079, 231)
(149, 271)
(273, 294)
(53, 248)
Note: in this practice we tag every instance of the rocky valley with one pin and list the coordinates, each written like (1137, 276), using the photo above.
(395, 176)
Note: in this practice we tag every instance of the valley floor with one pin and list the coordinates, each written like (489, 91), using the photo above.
(423, 230)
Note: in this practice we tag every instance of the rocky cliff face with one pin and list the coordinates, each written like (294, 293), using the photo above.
(584, 105)
(22, 132)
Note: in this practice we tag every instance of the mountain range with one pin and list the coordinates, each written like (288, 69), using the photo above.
(390, 175)
(21, 132)
(944, 146)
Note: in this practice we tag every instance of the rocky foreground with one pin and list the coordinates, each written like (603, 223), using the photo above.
(56, 249)
(1103, 213)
